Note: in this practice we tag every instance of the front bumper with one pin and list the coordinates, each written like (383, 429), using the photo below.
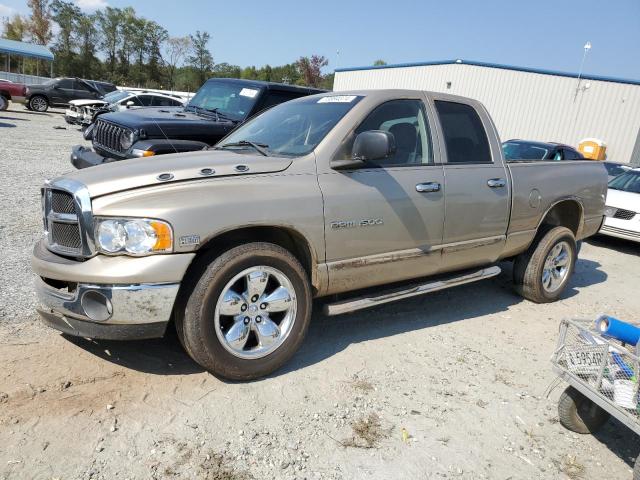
(107, 311)
(83, 157)
(620, 228)
(71, 116)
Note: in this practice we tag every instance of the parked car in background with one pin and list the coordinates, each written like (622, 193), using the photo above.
(622, 212)
(217, 108)
(58, 92)
(11, 92)
(614, 169)
(320, 196)
(84, 112)
(528, 150)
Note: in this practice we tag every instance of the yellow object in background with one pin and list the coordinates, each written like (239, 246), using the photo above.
(593, 149)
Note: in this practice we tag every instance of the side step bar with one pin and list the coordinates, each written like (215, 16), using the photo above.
(375, 298)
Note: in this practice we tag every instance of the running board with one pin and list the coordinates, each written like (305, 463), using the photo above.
(374, 299)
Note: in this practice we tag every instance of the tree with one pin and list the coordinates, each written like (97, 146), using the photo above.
(87, 39)
(379, 63)
(66, 15)
(311, 69)
(109, 21)
(16, 28)
(177, 49)
(40, 22)
(201, 58)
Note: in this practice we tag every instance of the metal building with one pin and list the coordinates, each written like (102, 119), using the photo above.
(525, 103)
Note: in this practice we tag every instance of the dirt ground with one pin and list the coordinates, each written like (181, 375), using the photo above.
(455, 385)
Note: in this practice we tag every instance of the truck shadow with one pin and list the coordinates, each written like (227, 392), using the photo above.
(7, 125)
(329, 335)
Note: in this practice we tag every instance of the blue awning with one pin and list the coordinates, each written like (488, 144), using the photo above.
(24, 49)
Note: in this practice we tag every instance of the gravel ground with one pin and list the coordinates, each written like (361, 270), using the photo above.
(450, 385)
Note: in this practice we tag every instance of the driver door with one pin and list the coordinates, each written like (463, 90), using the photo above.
(384, 221)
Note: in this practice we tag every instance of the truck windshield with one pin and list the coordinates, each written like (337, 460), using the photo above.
(294, 128)
(627, 182)
(230, 100)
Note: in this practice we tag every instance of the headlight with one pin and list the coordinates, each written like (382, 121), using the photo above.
(133, 236)
(127, 140)
(610, 211)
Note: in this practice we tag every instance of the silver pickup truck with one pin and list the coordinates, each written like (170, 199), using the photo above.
(360, 197)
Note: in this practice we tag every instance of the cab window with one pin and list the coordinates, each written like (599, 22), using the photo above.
(407, 122)
(464, 135)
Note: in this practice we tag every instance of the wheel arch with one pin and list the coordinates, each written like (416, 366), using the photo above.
(567, 212)
(5, 94)
(286, 237)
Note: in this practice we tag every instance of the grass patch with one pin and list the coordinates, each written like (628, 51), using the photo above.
(367, 432)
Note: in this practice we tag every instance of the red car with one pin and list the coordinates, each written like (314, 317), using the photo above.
(9, 91)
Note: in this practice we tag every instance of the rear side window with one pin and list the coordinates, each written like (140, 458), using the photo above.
(66, 83)
(165, 102)
(571, 154)
(464, 134)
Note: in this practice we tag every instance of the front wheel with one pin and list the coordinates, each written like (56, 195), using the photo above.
(579, 414)
(248, 312)
(38, 103)
(542, 273)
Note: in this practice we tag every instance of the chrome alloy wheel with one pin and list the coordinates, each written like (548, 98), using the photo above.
(39, 104)
(556, 267)
(255, 312)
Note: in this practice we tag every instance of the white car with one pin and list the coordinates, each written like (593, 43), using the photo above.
(81, 112)
(622, 213)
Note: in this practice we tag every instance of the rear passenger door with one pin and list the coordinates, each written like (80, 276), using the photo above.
(62, 92)
(477, 194)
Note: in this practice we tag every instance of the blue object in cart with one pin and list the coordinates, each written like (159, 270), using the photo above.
(626, 369)
(614, 328)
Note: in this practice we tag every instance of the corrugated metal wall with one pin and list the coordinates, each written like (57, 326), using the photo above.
(525, 105)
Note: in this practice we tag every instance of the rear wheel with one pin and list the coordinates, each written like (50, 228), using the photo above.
(579, 414)
(4, 103)
(542, 273)
(38, 103)
(248, 313)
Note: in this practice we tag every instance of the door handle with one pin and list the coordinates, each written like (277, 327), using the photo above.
(428, 187)
(496, 182)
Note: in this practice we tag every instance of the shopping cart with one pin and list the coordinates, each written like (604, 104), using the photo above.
(603, 376)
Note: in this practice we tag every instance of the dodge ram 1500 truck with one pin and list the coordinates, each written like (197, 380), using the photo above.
(329, 196)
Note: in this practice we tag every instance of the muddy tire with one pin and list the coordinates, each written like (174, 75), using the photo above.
(38, 103)
(579, 414)
(542, 273)
(247, 313)
(4, 103)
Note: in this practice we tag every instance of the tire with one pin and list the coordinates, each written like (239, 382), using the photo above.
(579, 414)
(636, 469)
(4, 103)
(536, 275)
(38, 103)
(204, 329)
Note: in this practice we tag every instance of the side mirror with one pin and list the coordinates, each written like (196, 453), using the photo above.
(130, 103)
(369, 145)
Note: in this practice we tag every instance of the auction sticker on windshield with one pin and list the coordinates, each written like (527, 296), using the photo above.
(338, 99)
(248, 92)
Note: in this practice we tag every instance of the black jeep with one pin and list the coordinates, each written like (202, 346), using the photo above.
(216, 109)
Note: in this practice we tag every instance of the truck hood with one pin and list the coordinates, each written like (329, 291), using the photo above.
(171, 122)
(84, 103)
(142, 172)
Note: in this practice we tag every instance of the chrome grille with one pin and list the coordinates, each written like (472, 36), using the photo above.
(623, 214)
(66, 235)
(64, 219)
(108, 135)
(62, 202)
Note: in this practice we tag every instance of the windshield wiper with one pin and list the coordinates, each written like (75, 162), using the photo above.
(205, 111)
(259, 147)
(221, 115)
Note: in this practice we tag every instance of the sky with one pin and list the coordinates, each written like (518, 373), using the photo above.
(548, 34)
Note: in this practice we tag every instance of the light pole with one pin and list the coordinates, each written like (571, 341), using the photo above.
(587, 47)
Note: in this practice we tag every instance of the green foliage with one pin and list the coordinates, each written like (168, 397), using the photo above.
(118, 45)
(379, 63)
